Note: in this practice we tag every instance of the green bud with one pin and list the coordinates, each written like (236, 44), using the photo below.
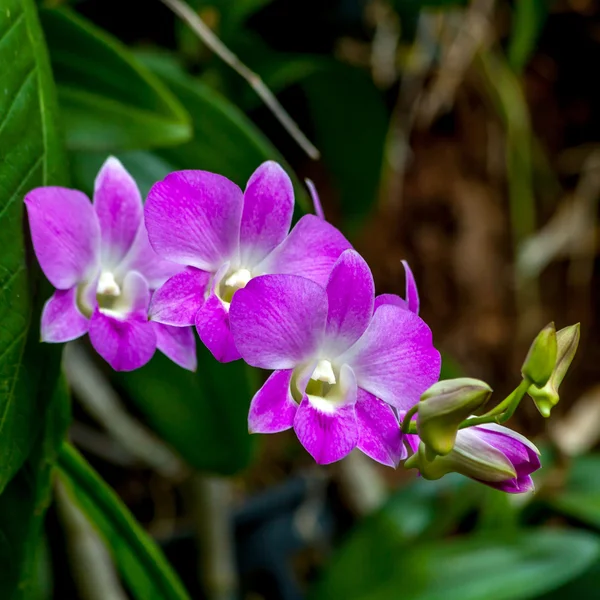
(541, 358)
(444, 406)
(546, 397)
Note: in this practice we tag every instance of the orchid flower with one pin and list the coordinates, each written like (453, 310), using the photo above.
(341, 360)
(98, 258)
(225, 237)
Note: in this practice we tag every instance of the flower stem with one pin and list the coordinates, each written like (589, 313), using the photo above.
(406, 422)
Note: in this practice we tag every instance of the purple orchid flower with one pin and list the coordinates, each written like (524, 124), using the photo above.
(225, 238)
(341, 360)
(491, 454)
(98, 258)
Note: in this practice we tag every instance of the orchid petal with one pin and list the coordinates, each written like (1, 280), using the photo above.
(267, 214)
(273, 409)
(350, 293)
(65, 234)
(178, 300)
(395, 359)
(390, 299)
(310, 250)
(61, 319)
(412, 294)
(193, 218)
(315, 198)
(278, 321)
(178, 344)
(118, 205)
(380, 437)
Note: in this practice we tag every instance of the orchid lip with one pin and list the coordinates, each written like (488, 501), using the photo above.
(232, 282)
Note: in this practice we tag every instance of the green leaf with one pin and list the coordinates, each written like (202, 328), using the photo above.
(351, 123)
(109, 101)
(203, 415)
(493, 567)
(581, 496)
(24, 502)
(141, 564)
(31, 155)
(225, 140)
(528, 20)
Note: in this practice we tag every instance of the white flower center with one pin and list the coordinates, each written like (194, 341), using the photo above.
(107, 286)
(233, 282)
(324, 372)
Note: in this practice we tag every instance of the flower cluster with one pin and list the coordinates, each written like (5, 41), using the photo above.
(350, 369)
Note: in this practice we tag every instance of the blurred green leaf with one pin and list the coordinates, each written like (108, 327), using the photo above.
(351, 122)
(140, 562)
(31, 155)
(203, 415)
(581, 496)
(225, 140)
(109, 101)
(528, 20)
(24, 502)
(377, 566)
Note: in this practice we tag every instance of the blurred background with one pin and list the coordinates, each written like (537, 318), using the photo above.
(461, 136)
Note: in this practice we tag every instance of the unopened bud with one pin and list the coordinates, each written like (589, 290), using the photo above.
(444, 406)
(547, 397)
(541, 358)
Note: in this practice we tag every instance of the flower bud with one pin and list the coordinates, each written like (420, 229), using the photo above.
(444, 406)
(490, 454)
(546, 397)
(541, 358)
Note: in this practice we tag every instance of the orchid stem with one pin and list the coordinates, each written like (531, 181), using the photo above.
(406, 422)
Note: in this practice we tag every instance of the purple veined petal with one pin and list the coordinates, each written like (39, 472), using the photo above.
(519, 485)
(65, 234)
(273, 409)
(315, 198)
(212, 323)
(142, 258)
(178, 344)
(310, 250)
(390, 299)
(379, 435)
(178, 300)
(395, 359)
(61, 319)
(267, 214)
(327, 427)
(125, 344)
(193, 218)
(118, 204)
(350, 296)
(412, 294)
(278, 321)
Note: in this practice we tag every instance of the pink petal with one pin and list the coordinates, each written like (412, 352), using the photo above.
(273, 409)
(118, 204)
(65, 234)
(395, 359)
(193, 218)
(61, 319)
(178, 300)
(212, 324)
(142, 258)
(350, 294)
(125, 344)
(278, 321)
(310, 250)
(390, 299)
(379, 435)
(412, 294)
(178, 344)
(267, 215)
(315, 198)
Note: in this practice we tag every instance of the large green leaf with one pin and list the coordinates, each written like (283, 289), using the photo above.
(24, 502)
(31, 155)
(375, 565)
(141, 564)
(203, 415)
(109, 101)
(351, 123)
